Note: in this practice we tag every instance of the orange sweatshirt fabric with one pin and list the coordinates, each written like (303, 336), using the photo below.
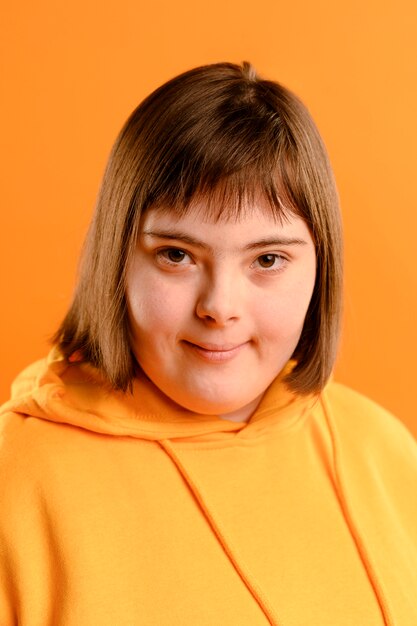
(126, 509)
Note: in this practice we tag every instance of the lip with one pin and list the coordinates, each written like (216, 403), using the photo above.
(216, 353)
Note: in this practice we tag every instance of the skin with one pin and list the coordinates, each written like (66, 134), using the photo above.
(216, 309)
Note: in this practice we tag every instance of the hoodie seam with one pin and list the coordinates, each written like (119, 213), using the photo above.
(238, 563)
(235, 443)
(347, 510)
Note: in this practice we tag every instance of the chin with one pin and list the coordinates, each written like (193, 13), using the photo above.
(206, 406)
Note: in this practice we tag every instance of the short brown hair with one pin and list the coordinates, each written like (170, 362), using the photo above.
(217, 131)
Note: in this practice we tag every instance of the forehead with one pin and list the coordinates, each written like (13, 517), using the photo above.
(254, 223)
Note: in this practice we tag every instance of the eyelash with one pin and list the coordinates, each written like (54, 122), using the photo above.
(164, 252)
(162, 255)
(283, 262)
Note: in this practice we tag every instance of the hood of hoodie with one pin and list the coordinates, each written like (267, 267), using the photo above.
(76, 394)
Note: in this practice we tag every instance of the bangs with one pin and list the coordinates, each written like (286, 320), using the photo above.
(229, 197)
(229, 173)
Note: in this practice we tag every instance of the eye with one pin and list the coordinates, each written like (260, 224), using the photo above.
(270, 261)
(173, 256)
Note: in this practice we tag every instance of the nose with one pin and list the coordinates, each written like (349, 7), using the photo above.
(220, 299)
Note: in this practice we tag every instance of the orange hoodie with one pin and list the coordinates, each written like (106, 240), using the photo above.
(125, 509)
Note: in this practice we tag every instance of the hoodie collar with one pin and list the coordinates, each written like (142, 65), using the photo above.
(76, 394)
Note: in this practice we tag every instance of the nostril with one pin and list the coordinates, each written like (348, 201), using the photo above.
(219, 299)
(215, 314)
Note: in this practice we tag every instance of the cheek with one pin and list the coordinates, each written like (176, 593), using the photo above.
(154, 309)
(282, 315)
(302, 290)
(281, 322)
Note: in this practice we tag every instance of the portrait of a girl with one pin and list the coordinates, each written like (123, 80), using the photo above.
(183, 455)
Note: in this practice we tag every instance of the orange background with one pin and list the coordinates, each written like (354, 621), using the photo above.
(72, 73)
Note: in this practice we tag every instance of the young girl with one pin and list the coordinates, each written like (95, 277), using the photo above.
(180, 456)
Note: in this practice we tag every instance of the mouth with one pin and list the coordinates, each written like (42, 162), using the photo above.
(215, 353)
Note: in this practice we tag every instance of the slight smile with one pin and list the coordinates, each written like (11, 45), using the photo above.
(215, 353)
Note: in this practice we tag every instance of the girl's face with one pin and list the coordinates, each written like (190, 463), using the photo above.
(216, 309)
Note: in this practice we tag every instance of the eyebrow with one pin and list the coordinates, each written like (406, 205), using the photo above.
(266, 241)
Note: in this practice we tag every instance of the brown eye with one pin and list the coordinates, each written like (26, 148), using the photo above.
(267, 260)
(271, 262)
(175, 255)
(173, 258)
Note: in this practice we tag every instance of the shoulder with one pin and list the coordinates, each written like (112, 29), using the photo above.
(17, 444)
(362, 412)
(368, 428)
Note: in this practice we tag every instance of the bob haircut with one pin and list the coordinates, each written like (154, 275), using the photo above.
(221, 133)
